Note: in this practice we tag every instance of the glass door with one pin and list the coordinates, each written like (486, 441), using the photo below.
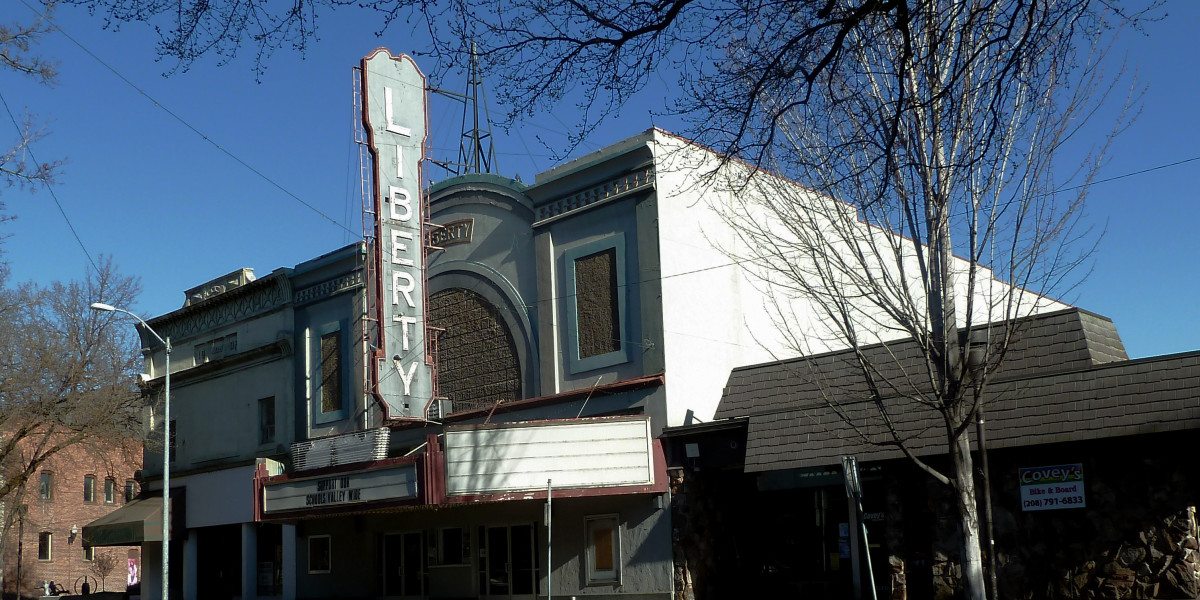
(404, 565)
(510, 562)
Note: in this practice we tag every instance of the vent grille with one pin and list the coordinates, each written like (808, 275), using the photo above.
(345, 449)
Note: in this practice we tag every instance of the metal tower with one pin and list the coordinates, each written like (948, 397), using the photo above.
(476, 150)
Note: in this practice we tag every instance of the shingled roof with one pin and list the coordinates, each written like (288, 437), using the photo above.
(1066, 377)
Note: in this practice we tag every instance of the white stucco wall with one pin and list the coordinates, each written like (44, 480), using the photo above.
(717, 315)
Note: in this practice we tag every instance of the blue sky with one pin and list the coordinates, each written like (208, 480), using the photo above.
(175, 210)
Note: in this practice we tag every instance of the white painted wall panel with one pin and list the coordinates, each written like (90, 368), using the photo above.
(523, 456)
(218, 497)
(350, 488)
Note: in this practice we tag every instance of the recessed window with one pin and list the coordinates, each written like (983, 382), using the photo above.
(319, 553)
(130, 490)
(331, 372)
(266, 420)
(46, 486)
(89, 553)
(110, 491)
(598, 319)
(603, 549)
(45, 539)
(89, 488)
(453, 548)
(594, 277)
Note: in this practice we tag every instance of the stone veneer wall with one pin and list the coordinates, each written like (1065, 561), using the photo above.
(1136, 538)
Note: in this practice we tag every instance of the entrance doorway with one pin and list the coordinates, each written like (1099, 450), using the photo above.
(508, 565)
(404, 565)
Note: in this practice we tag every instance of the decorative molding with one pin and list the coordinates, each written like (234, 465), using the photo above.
(219, 286)
(329, 287)
(454, 232)
(241, 303)
(613, 188)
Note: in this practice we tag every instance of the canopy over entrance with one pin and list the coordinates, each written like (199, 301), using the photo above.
(136, 522)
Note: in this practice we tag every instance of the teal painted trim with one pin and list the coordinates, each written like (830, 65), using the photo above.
(583, 163)
(468, 178)
(484, 270)
(575, 364)
(324, 418)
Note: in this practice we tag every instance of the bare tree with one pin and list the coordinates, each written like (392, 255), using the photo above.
(66, 378)
(103, 565)
(17, 166)
(933, 221)
(926, 131)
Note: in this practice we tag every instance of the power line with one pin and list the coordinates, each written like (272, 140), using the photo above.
(49, 187)
(188, 125)
(1123, 176)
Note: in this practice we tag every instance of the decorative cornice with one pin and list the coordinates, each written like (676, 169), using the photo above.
(614, 188)
(254, 298)
(329, 287)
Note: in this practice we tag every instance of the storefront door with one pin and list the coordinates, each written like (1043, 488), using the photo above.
(403, 565)
(510, 562)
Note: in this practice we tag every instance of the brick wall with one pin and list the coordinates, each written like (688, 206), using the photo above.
(66, 509)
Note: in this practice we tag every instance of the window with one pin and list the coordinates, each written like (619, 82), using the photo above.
(44, 540)
(331, 372)
(319, 551)
(603, 549)
(46, 486)
(594, 276)
(173, 435)
(130, 490)
(266, 420)
(598, 321)
(110, 491)
(89, 488)
(89, 553)
(453, 548)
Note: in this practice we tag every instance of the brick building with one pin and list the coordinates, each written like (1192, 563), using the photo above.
(73, 488)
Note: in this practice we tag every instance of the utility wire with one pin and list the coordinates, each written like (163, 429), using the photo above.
(50, 188)
(1123, 176)
(188, 125)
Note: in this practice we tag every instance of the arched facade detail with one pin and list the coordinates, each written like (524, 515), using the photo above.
(478, 362)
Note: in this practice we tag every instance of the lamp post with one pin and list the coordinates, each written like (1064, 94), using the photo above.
(166, 474)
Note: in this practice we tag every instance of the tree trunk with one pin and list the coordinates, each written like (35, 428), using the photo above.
(964, 483)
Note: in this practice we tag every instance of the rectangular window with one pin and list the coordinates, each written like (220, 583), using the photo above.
(453, 547)
(319, 554)
(110, 491)
(173, 446)
(45, 539)
(130, 490)
(603, 549)
(331, 372)
(597, 311)
(266, 420)
(89, 553)
(594, 276)
(46, 486)
(89, 488)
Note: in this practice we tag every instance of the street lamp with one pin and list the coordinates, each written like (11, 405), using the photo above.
(166, 475)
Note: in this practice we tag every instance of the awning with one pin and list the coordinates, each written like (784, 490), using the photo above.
(136, 522)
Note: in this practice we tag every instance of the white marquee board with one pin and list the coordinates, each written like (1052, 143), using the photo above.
(572, 454)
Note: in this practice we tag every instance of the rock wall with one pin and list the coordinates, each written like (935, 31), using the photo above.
(1161, 561)
(1135, 538)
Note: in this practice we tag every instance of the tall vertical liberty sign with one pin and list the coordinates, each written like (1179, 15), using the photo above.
(394, 115)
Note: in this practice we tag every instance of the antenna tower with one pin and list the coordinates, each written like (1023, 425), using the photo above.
(476, 150)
